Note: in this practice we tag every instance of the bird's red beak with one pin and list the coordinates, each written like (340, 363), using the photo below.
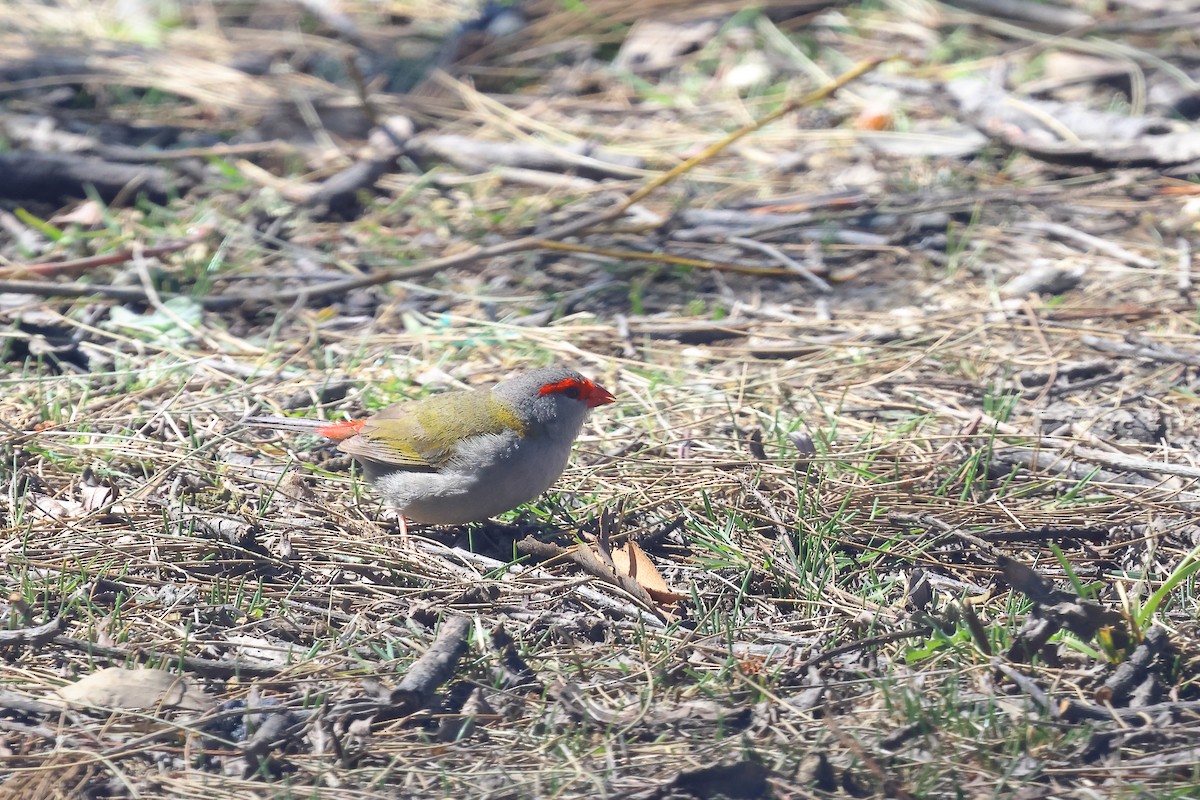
(597, 395)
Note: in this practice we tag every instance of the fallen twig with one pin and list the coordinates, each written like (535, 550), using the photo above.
(206, 667)
(859, 644)
(433, 668)
(32, 637)
(1151, 352)
(77, 265)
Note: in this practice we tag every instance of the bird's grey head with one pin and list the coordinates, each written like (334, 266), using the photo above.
(552, 399)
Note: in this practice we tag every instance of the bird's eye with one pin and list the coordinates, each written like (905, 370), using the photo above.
(572, 392)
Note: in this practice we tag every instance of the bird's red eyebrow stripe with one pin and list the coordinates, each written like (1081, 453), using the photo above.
(589, 393)
(583, 386)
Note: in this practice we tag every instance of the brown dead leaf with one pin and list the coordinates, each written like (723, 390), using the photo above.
(654, 46)
(631, 560)
(140, 688)
(1029, 582)
(88, 214)
(95, 494)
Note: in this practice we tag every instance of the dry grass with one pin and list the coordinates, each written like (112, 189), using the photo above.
(835, 482)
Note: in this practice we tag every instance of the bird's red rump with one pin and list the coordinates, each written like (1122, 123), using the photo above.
(341, 430)
(579, 389)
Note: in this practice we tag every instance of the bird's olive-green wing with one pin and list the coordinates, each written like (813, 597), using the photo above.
(421, 435)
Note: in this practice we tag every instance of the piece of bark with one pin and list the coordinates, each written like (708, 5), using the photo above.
(56, 178)
(478, 155)
(33, 637)
(432, 669)
(1134, 669)
(338, 196)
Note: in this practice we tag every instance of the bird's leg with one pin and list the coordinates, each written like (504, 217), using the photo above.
(404, 540)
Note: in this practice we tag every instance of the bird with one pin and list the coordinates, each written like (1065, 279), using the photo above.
(468, 455)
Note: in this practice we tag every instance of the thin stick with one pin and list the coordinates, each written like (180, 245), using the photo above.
(559, 232)
(815, 96)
